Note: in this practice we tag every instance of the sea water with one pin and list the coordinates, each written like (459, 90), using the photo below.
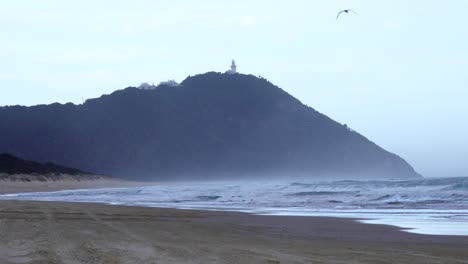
(427, 206)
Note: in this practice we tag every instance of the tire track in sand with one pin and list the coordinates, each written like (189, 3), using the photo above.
(14, 247)
(2, 219)
(61, 250)
(154, 253)
(73, 250)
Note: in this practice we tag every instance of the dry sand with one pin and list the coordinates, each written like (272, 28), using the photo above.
(18, 186)
(47, 232)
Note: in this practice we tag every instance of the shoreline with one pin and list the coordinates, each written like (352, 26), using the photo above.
(402, 223)
(75, 232)
(58, 232)
(346, 230)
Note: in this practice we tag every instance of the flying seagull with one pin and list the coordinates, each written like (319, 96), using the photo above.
(345, 11)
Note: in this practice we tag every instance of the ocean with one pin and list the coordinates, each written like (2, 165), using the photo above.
(436, 206)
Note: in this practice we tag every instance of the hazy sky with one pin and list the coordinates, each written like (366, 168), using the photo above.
(397, 73)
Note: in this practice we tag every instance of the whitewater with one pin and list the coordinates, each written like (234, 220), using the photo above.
(436, 206)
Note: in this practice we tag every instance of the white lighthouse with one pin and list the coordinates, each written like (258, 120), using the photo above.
(233, 68)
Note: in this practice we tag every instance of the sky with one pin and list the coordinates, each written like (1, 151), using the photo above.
(395, 73)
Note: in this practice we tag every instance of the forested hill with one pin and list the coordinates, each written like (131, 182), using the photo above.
(211, 126)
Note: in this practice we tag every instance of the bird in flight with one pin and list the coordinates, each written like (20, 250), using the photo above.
(345, 11)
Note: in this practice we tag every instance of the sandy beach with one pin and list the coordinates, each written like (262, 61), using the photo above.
(16, 186)
(52, 232)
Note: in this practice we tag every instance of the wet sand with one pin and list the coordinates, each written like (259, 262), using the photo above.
(52, 232)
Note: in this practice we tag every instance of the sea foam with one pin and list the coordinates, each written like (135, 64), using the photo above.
(413, 204)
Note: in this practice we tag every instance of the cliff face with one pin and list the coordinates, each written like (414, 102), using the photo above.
(211, 126)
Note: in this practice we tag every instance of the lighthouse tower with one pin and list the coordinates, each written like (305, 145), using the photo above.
(233, 68)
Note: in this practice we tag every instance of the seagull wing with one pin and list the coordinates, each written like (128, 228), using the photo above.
(353, 11)
(339, 13)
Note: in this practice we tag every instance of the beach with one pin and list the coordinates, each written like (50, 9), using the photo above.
(68, 182)
(56, 232)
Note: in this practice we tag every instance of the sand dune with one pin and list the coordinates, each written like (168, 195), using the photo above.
(45, 183)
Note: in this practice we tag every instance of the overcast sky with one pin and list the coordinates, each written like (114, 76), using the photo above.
(397, 72)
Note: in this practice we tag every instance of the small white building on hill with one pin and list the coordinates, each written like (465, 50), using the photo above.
(233, 69)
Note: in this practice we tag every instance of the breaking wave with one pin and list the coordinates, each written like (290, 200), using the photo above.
(432, 202)
(440, 193)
